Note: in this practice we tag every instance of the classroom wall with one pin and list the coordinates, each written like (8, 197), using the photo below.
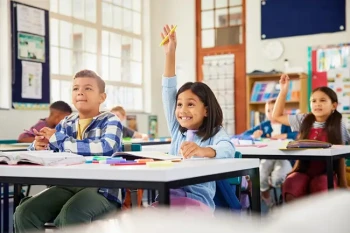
(295, 48)
(13, 122)
(182, 13)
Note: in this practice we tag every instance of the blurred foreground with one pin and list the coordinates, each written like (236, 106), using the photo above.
(325, 213)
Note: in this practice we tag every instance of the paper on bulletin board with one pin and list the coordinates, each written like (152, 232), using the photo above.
(31, 80)
(31, 47)
(331, 67)
(339, 80)
(30, 20)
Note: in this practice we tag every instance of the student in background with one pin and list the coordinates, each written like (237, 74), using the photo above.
(272, 172)
(127, 132)
(88, 133)
(192, 110)
(324, 123)
(58, 111)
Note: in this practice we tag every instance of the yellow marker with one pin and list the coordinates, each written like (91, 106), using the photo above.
(159, 164)
(167, 37)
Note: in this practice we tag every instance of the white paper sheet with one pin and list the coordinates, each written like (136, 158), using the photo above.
(30, 20)
(31, 80)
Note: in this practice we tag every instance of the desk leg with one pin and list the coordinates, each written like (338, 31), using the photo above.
(1, 192)
(6, 206)
(330, 172)
(164, 195)
(17, 195)
(256, 199)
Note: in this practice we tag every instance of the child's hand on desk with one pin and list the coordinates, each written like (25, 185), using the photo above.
(257, 133)
(190, 149)
(47, 132)
(280, 136)
(40, 143)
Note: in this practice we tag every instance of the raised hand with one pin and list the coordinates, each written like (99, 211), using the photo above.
(284, 82)
(170, 45)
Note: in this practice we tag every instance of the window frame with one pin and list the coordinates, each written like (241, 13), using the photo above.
(99, 27)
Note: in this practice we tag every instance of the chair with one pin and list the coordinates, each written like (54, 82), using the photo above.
(125, 147)
(226, 192)
(132, 197)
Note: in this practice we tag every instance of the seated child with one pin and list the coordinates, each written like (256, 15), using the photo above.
(192, 110)
(324, 123)
(88, 133)
(127, 132)
(276, 170)
(58, 111)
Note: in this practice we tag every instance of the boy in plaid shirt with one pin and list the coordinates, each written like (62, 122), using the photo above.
(87, 133)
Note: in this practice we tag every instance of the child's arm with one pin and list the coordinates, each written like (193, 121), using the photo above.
(256, 132)
(169, 81)
(110, 141)
(221, 147)
(277, 113)
(169, 49)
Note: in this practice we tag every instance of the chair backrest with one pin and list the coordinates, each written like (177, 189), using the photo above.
(131, 147)
(236, 180)
(225, 196)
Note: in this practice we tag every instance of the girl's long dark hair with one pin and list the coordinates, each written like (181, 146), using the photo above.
(332, 127)
(213, 121)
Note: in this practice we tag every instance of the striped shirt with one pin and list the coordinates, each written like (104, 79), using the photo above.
(102, 137)
(296, 120)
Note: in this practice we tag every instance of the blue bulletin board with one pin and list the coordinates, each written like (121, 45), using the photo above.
(285, 18)
(30, 57)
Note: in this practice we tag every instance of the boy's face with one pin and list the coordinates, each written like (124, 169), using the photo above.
(86, 95)
(268, 111)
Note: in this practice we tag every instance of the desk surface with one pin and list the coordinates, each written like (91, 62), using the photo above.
(274, 149)
(181, 170)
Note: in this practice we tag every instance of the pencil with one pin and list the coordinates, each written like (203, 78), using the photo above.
(167, 37)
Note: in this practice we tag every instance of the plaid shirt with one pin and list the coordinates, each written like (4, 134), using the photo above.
(102, 137)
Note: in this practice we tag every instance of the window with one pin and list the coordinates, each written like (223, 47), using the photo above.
(221, 22)
(108, 42)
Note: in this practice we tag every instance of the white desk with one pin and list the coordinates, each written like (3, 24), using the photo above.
(161, 178)
(272, 151)
(161, 148)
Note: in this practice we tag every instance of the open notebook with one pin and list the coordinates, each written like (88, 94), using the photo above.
(45, 158)
(147, 155)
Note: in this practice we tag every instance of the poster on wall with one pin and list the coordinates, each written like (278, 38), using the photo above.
(31, 80)
(30, 19)
(30, 63)
(31, 47)
(330, 66)
(153, 126)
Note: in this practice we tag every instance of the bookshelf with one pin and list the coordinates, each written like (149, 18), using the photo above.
(261, 87)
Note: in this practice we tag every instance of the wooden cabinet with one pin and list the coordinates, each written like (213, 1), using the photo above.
(260, 87)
